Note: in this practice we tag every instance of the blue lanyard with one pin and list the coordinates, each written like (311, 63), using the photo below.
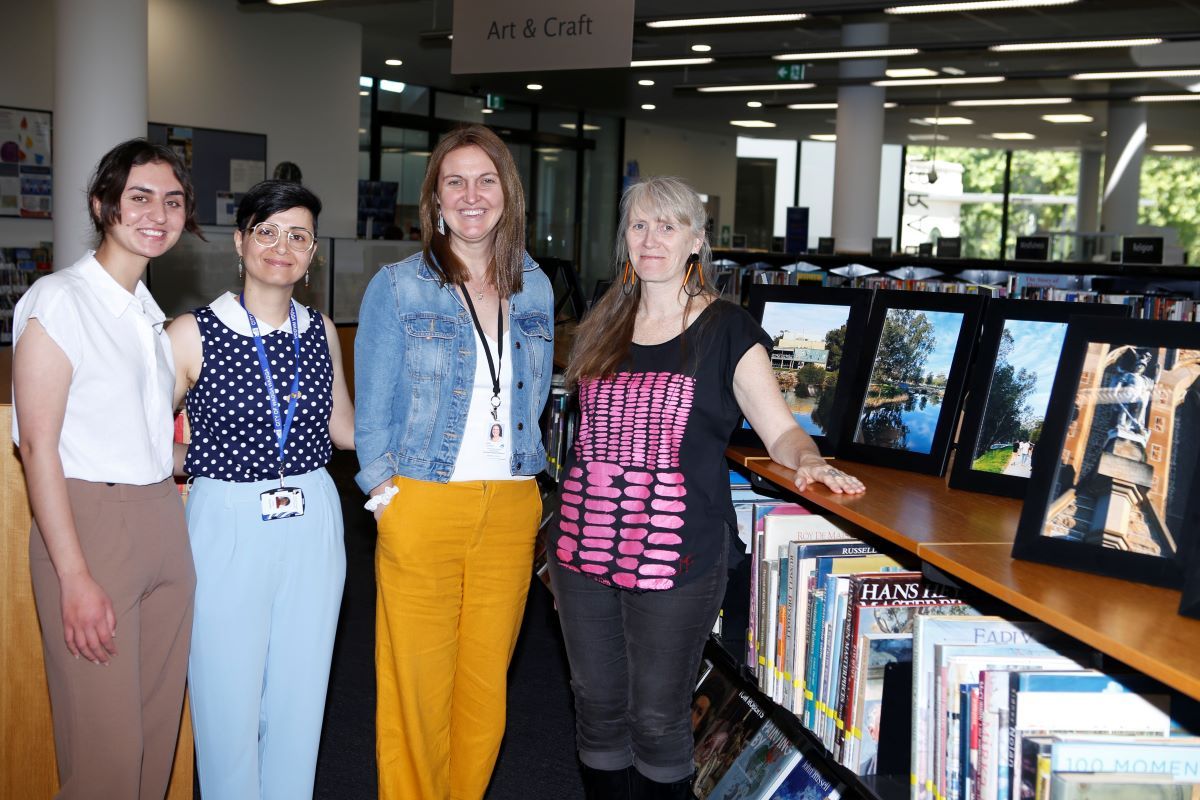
(283, 427)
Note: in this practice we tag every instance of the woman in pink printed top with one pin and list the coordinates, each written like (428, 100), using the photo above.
(663, 371)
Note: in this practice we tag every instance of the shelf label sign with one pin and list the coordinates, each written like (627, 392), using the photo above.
(881, 247)
(1033, 248)
(1142, 250)
(949, 247)
(528, 35)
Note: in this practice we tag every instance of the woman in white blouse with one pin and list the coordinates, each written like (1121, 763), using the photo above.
(112, 573)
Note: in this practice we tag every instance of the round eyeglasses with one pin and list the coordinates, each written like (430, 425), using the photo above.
(298, 239)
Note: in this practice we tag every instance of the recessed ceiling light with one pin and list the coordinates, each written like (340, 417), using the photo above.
(701, 48)
(750, 19)
(1166, 98)
(824, 137)
(392, 86)
(549, 158)
(1172, 148)
(1067, 118)
(954, 71)
(488, 110)
(834, 54)
(648, 106)
(928, 137)
(587, 126)
(752, 123)
(758, 87)
(450, 36)
(364, 94)
(547, 149)
(289, 2)
(942, 121)
(394, 62)
(753, 104)
(670, 62)
(362, 131)
(645, 82)
(910, 72)
(1015, 136)
(1013, 101)
(1135, 74)
(975, 5)
(812, 106)
(1095, 44)
(533, 87)
(940, 81)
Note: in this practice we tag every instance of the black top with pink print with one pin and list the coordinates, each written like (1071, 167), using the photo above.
(644, 501)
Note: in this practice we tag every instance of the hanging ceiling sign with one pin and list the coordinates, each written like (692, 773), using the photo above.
(527, 35)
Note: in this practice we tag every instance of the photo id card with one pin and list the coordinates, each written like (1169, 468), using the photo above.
(281, 503)
(494, 445)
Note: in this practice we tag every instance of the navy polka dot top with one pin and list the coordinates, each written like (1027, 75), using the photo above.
(233, 435)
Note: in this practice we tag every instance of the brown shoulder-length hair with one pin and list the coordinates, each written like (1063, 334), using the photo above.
(508, 244)
(603, 337)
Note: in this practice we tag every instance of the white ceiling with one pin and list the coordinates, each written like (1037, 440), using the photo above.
(415, 31)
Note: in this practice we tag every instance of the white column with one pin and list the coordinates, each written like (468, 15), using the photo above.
(1087, 210)
(100, 99)
(1123, 151)
(859, 143)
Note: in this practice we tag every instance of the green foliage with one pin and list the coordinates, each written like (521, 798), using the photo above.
(905, 344)
(1170, 188)
(810, 375)
(993, 460)
(1006, 415)
(835, 340)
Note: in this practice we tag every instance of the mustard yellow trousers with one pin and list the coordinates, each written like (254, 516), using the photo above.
(452, 567)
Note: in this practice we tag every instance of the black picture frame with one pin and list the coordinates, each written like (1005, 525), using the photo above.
(930, 424)
(830, 405)
(1122, 436)
(978, 410)
(1189, 602)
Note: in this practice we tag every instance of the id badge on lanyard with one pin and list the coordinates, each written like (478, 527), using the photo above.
(286, 501)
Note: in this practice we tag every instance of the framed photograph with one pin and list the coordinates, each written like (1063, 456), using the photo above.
(1116, 464)
(904, 408)
(1009, 390)
(816, 331)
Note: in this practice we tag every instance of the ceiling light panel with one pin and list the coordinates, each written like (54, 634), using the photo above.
(1135, 74)
(1014, 136)
(1061, 119)
(701, 48)
(910, 72)
(749, 19)
(824, 137)
(758, 87)
(1013, 101)
(976, 5)
(645, 82)
(838, 54)
(394, 62)
(1026, 47)
(943, 121)
(670, 62)
(1166, 98)
(812, 106)
(941, 81)
(752, 123)
(1172, 148)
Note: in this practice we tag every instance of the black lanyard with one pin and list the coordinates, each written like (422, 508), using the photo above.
(493, 366)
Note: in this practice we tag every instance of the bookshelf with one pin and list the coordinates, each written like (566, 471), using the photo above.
(968, 536)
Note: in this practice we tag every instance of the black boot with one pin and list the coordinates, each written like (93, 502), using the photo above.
(604, 784)
(646, 789)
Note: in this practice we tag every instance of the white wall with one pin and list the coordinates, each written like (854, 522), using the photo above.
(708, 162)
(292, 76)
(206, 60)
(784, 153)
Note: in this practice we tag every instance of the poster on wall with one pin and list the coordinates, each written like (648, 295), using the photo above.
(25, 165)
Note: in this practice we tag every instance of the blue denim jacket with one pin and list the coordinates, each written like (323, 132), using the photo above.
(414, 363)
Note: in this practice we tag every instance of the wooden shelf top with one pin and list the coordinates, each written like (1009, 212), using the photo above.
(969, 536)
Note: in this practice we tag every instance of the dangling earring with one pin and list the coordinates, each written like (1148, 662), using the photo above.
(441, 224)
(240, 268)
(693, 262)
(628, 279)
(306, 279)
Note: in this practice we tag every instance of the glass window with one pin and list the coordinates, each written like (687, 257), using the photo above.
(1169, 188)
(553, 120)
(403, 160)
(1043, 196)
(459, 107)
(553, 228)
(364, 128)
(953, 191)
(517, 116)
(403, 97)
(601, 192)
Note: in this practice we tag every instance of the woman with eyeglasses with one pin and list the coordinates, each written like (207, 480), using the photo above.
(108, 552)
(267, 401)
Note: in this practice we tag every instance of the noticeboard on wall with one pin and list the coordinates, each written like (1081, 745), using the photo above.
(25, 163)
(224, 164)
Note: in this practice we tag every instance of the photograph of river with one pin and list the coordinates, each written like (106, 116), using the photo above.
(806, 358)
(1017, 396)
(908, 380)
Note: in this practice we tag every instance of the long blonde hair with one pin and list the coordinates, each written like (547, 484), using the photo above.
(603, 338)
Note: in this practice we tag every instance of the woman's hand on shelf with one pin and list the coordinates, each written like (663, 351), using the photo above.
(812, 471)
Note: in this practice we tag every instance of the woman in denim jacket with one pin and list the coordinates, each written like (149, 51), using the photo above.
(452, 343)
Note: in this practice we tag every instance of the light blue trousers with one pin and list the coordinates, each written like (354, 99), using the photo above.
(267, 601)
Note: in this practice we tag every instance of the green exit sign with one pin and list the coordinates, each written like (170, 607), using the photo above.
(790, 72)
(495, 102)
